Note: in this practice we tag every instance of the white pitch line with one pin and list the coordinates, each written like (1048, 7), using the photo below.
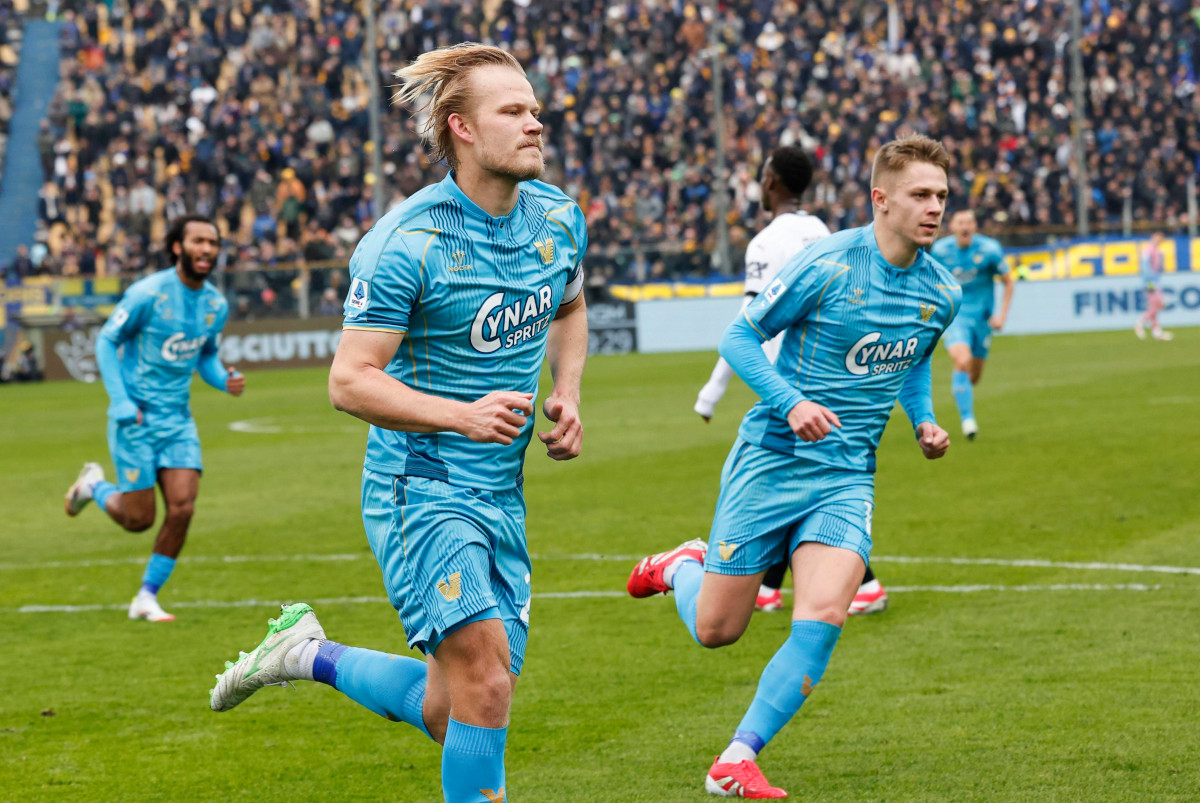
(595, 556)
(611, 594)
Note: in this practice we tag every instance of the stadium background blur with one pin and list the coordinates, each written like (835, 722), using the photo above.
(256, 112)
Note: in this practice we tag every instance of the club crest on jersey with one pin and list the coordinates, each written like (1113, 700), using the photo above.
(360, 294)
(500, 325)
(774, 290)
(927, 311)
(869, 356)
(210, 318)
(546, 249)
(177, 347)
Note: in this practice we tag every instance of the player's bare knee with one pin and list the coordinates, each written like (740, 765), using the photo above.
(138, 521)
(718, 634)
(181, 510)
(830, 614)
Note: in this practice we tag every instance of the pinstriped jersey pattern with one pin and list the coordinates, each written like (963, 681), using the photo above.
(474, 296)
(855, 326)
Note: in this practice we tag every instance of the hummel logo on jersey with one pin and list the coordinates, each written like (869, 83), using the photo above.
(498, 324)
(726, 550)
(360, 294)
(496, 796)
(927, 311)
(866, 358)
(807, 687)
(451, 587)
(131, 474)
(857, 298)
(546, 249)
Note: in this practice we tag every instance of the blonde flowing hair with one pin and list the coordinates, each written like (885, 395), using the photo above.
(442, 75)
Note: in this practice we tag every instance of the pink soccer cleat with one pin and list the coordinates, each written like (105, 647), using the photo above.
(743, 779)
(871, 598)
(647, 578)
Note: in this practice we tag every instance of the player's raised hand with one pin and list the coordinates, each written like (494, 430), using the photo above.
(811, 421)
(566, 439)
(235, 383)
(497, 417)
(933, 439)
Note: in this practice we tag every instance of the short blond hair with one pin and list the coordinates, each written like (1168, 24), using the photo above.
(900, 153)
(443, 74)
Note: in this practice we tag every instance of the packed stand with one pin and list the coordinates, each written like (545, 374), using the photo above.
(256, 113)
(10, 54)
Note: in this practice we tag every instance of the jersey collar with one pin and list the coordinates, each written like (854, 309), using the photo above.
(475, 210)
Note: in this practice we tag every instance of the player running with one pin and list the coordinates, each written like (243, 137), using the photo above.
(786, 176)
(164, 329)
(1151, 273)
(861, 313)
(975, 261)
(456, 297)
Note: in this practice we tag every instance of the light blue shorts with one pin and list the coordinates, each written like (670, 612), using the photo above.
(450, 556)
(772, 502)
(162, 440)
(973, 329)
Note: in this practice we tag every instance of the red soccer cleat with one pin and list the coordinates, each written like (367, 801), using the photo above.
(743, 779)
(769, 599)
(646, 579)
(871, 598)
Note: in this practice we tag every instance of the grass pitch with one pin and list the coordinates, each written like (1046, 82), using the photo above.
(1064, 678)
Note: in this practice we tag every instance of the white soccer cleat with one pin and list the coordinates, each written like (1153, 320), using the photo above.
(145, 606)
(80, 492)
(1139, 330)
(265, 665)
(1160, 334)
(969, 428)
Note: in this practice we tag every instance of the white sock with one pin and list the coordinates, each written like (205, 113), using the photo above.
(738, 751)
(669, 572)
(299, 660)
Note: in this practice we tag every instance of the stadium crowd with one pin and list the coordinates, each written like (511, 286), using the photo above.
(255, 112)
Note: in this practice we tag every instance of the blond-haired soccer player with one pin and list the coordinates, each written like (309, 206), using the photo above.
(456, 298)
(861, 312)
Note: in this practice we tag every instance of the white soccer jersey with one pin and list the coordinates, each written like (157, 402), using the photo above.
(784, 237)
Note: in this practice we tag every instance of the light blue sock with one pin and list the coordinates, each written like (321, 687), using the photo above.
(473, 763)
(786, 682)
(101, 492)
(688, 577)
(964, 394)
(158, 571)
(392, 686)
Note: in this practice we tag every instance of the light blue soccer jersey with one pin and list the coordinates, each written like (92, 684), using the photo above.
(975, 268)
(474, 296)
(166, 328)
(858, 335)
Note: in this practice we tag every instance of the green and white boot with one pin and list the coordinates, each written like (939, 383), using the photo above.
(265, 665)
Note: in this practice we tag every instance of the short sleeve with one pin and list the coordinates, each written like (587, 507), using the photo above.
(758, 263)
(578, 231)
(385, 281)
(999, 263)
(220, 313)
(129, 317)
(790, 297)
